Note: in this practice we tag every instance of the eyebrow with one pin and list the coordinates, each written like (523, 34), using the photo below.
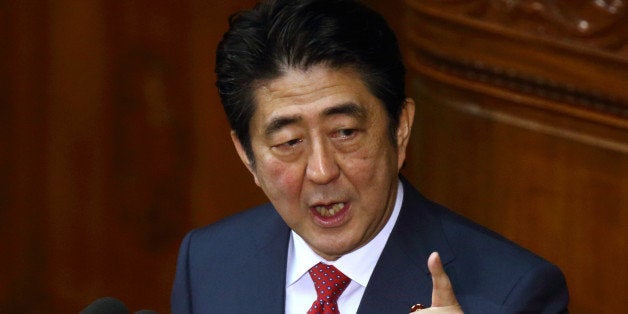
(278, 123)
(349, 109)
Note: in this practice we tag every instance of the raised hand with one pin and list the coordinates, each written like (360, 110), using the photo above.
(443, 297)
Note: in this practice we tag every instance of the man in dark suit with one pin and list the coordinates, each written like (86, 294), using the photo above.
(314, 93)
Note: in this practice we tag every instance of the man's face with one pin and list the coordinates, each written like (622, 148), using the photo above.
(324, 157)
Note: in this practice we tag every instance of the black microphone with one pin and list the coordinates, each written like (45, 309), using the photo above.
(106, 305)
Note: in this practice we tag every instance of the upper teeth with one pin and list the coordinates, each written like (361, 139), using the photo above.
(328, 212)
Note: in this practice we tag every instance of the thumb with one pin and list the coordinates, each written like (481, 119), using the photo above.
(442, 292)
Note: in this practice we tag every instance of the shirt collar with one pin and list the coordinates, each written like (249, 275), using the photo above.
(357, 265)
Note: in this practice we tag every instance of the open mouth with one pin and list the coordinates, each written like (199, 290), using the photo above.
(329, 210)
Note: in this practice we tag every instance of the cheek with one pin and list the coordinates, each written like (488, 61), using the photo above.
(373, 159)
(280, 181)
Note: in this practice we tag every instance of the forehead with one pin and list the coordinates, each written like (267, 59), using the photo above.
(310, 92)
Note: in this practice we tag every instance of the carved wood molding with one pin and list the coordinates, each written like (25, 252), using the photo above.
(532, 48)
(597, 23)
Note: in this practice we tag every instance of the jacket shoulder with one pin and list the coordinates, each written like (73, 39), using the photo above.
(214, 260)
(234, 234)
(489, 269)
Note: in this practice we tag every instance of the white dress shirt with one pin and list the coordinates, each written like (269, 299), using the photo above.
(357, 265)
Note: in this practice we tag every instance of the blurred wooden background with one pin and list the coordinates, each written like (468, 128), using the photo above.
(113, 143)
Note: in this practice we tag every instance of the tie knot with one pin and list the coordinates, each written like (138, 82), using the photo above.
(329, 283)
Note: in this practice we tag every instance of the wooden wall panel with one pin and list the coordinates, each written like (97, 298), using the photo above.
(220, 182)
(113, 145)
(76, 196)
(555, 191)
(22, 179)
(522, 125)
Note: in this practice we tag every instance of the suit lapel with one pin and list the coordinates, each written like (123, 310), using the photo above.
(267, 269)
(401, 277)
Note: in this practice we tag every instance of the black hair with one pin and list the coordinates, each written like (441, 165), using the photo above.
(277, 35)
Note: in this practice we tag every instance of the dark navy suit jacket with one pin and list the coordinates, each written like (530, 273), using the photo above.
(238, 265)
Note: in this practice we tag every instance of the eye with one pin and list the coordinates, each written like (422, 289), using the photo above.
(288, 146)
(292, 143)
(345, 133)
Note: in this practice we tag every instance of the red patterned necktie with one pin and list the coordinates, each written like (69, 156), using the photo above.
(329, 283)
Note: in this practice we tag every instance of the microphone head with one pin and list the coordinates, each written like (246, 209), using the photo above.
(145, 312)
(106, 305)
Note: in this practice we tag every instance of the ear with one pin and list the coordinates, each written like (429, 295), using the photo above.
(406, 119)
(243, 156)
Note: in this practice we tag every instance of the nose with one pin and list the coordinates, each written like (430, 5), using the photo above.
(322, 167)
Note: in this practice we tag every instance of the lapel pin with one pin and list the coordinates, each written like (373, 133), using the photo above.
(416, 307)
